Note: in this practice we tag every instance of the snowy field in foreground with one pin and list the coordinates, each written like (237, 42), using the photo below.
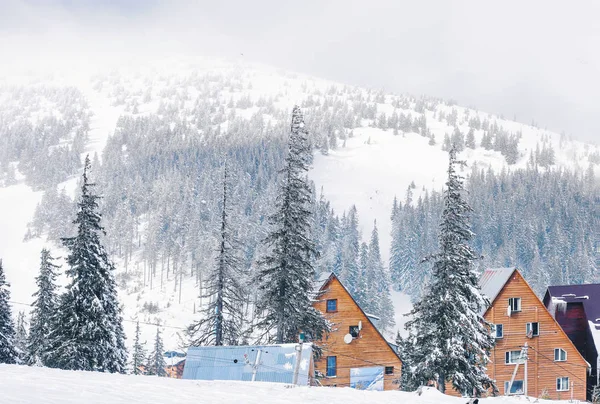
(25, 385)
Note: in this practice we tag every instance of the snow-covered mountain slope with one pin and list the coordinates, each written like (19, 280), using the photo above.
(360, 158)
(21, 384)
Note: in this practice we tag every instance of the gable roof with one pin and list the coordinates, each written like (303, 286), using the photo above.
(329, 276)
(493, 280)
(588, 295)
(322, 280)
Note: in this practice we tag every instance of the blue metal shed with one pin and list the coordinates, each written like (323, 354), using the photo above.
(265, 363)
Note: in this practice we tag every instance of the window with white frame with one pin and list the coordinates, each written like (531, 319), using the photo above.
(512, 357)
(560, 355)
(497, 331)
(516, 388)
(514, 303)
(532, 329)
(562, 384)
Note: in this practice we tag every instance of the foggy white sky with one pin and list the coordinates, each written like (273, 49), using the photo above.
(531, 59)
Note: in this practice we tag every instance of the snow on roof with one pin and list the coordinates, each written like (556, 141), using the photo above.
(493, 280)
(321, 280)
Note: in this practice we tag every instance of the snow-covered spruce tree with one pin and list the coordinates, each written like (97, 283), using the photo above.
(448, 338)
(44, 307)
(87, 329)
(363, 288)
(285, 275)
(221, 321)
(351, 250)
(8, 353)
(382, 301)
(156, 361)
(21, 338)
(138, 356)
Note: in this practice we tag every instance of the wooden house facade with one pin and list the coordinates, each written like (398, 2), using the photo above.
(555, 368)
(354, 354)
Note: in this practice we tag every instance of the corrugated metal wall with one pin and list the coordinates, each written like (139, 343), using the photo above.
(276, 363)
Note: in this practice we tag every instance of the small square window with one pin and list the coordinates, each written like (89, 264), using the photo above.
(532, 329)
(560, 355)
(331, 366)
(389, 370)
(562, 384)
(516, 388)
(331, 305)
(354, 331)
(498, 331)
(514, 303)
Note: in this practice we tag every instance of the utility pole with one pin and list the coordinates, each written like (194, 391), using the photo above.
(572, 392)
(522, 356)
(256, 363)
(298, 359)
(525, 349)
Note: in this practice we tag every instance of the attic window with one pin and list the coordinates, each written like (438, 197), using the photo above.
(514, 303)
(331, 305)
(389, 370)
(353, 330)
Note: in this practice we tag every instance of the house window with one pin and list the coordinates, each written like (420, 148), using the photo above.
(497, 331)
(331, 366)
(354, 331)
(512, 357)
(562, 384)
(516, 388)
(389, 370)
(331, 305)
(514, 303)
(560, 355)
(532, 329)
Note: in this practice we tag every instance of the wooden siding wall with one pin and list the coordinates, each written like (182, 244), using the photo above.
(542, 370)
(368, 350)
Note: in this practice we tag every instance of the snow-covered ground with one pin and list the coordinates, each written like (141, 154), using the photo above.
(29, 385)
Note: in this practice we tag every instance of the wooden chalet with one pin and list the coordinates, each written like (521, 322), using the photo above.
(354, 354)
(176, 370)
(577, 309)
(555, 368)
